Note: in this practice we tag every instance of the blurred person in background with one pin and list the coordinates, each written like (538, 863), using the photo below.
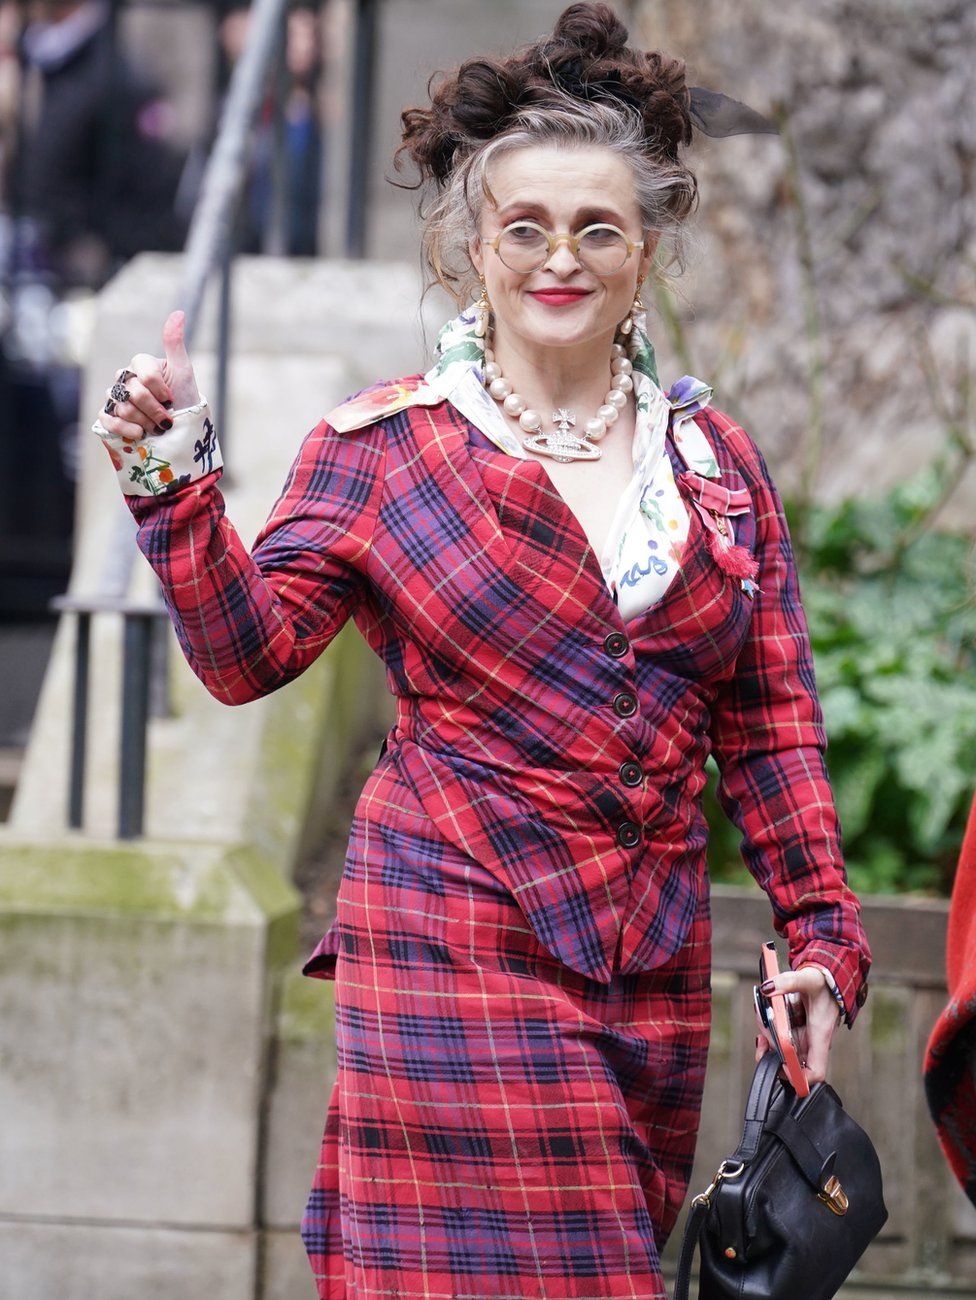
(89, 177)
(93, 173)
(294, 142)
(10, 25)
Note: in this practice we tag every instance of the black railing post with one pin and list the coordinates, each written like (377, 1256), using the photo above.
(361, 133)
(79, 725)
(137, 629)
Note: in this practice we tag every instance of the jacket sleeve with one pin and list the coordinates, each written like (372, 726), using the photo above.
(769, 742)
(249, 623)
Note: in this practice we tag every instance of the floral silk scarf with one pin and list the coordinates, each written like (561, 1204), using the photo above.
(650, 525)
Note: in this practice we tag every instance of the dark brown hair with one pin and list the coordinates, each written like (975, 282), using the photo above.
(581, 85)
(586, 56)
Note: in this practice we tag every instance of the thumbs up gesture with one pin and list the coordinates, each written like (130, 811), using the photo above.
(177, 369)
(148, 388)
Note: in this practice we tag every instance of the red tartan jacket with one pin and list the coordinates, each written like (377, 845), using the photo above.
(557, 744)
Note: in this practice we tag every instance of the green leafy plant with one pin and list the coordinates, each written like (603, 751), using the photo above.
(890, 601)
(891, 606)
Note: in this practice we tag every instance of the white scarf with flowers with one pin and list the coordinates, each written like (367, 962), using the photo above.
(650, 526)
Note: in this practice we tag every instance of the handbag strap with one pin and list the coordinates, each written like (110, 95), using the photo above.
(815, 1167)
(757, 1108)
(689, 1243)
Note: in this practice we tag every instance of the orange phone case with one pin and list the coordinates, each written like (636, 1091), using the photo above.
(781, 1029)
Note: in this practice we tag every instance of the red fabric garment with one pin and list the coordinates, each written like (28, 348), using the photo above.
(500, 1126)
(950, 1058)
(521, 937)
(470, 577)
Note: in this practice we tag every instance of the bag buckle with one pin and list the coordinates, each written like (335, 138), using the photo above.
(834, 1196)
(727, 1169)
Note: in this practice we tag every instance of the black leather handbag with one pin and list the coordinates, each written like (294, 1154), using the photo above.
(792, 1210)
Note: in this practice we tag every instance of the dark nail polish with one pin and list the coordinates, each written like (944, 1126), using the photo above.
(767, 988)
(168, 405)
(166, 424)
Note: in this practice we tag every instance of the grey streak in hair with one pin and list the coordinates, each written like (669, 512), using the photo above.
(666, 193)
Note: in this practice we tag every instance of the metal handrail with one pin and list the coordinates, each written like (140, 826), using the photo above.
(209, 247)
(211, 229)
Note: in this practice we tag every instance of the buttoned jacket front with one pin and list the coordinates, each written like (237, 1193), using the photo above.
(539, 732)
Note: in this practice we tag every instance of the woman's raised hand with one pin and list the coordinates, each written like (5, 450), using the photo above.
(154, 386)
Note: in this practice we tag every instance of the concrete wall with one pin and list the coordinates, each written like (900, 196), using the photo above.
(302, 1082)
(164, 1069)
(137, 987)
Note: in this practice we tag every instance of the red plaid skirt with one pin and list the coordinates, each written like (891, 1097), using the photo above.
(501, 1126)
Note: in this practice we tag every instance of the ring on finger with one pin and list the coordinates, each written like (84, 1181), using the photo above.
(119, 392)
(109, 407)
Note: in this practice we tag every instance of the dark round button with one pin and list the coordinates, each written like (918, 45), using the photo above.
(631, 773)
(616, 644)
(625, 704)
(628, 835)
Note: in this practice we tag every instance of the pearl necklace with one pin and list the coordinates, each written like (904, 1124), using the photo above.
(562, 444)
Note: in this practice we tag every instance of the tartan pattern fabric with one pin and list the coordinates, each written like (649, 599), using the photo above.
(642, 548)
(500, 1126)
(473, 581)
(521, 941)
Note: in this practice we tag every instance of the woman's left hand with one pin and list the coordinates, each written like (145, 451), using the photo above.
(819, 1014)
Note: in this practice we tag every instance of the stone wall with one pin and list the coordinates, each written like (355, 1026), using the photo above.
(164, 1072)
(879, 97)
(880, 101)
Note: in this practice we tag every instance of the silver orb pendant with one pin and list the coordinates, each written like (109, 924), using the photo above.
(561, 443)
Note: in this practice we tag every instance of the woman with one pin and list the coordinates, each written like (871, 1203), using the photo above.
(573, 613)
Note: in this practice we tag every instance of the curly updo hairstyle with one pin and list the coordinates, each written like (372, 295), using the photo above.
(583, 85)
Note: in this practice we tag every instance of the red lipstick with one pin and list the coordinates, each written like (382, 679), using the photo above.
(559, 297)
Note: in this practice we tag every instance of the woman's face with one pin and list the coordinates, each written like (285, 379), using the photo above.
(564, 189)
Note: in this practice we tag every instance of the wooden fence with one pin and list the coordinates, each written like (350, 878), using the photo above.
(929, 1242)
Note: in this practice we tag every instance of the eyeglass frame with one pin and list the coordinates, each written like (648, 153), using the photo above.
(553, 238)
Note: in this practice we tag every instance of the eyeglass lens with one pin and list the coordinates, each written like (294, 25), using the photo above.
(602, 249)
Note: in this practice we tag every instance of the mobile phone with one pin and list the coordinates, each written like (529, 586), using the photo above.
(773, 1013)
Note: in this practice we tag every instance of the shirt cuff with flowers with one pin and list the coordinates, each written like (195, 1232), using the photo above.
(160, 463)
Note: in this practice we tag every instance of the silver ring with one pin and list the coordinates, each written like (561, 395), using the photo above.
(109, 407)
(119, 392)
